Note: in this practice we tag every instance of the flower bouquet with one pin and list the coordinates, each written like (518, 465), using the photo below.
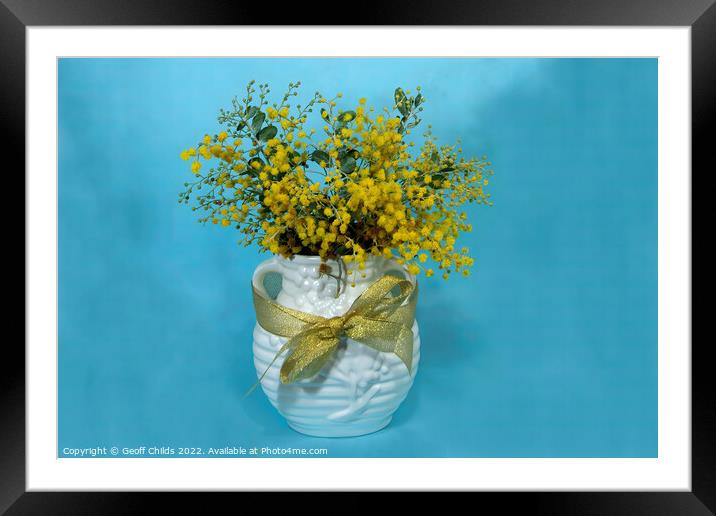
(352, 207)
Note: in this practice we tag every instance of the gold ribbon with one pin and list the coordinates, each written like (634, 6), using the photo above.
(379, 318)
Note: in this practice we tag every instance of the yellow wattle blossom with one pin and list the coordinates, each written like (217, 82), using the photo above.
(361, 190)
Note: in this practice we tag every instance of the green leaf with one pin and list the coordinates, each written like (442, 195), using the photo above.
(418, 100)
(257, 122)
(399, 95)
(267, 133)
(402, 102)
(435, 157)
(348, 164)
(319, 155)
(251, 111)
(348, 152)
(240, 126)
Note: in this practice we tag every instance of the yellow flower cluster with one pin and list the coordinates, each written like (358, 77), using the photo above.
(359, 189)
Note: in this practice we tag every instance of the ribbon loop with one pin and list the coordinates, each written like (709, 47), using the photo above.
(377, 318)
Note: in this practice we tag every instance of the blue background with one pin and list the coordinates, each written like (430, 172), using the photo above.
(548, 350)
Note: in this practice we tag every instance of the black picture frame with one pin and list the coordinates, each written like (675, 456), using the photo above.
(700, 15)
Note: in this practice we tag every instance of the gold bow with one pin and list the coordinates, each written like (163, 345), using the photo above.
(377, 318)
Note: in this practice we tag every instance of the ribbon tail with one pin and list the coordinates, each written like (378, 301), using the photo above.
(309, 356)
(283, 348)
(404, 348)
(385, 336)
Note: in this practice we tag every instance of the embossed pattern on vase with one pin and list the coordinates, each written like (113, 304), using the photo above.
(358, 391)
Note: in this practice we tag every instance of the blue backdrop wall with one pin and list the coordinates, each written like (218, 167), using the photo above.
(548, 350)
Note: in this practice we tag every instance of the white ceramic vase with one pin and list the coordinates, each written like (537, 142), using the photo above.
(360, 388)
